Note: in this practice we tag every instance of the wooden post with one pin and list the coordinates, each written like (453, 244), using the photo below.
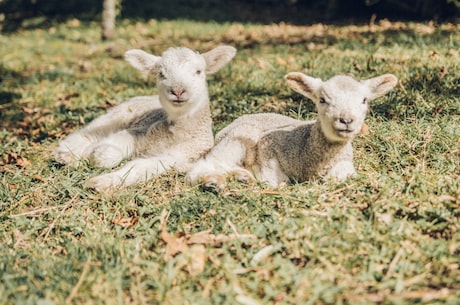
(108, 19)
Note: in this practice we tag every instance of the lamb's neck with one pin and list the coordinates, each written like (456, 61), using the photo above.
(200, 112)
(318, 135)
(324, 152)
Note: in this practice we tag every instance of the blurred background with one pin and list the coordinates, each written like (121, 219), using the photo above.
(14, 12)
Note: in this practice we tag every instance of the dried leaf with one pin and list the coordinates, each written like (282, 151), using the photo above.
(357, 66)
(84, 65)
(174, 244)
(449, 198)
(110, 103)
(68, 96)
(364, 130)
(281, 61)
(434, 55)
(125, 222)
(443, 72)
(180, 242)
(23, 162)
(262, 64)
(38, 177)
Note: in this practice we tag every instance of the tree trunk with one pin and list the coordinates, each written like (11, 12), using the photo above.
(108, 19)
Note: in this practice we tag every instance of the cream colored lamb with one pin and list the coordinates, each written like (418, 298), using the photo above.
(168, 130)
(274, 148)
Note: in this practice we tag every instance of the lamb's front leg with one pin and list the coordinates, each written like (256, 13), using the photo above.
(224, 159)
(110, 151)
(341, 171)
(270, 172)
(74, 148)
(80, 144)
(137, 170)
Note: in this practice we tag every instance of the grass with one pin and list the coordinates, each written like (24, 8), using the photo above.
(389, 236)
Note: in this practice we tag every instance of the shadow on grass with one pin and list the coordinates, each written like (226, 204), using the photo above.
(8, 97)
(37, 119)
(33, 14)
(429, 92)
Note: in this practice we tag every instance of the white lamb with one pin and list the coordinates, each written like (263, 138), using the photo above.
(276, 148)
(168, 130)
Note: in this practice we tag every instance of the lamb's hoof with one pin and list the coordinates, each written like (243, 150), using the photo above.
(106, 156)
(65, 156)
(106, 183)
(213, 183)
(243, 176)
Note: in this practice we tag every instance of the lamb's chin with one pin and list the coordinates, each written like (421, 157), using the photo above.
(346, 134)
(178, 103)
(340, 136)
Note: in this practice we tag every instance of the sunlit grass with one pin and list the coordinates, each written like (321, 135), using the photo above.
(388, 236)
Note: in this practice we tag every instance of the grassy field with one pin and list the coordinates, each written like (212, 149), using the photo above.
(388, 236)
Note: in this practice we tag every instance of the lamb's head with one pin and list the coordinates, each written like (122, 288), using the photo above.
(181, 75)
(342, 101)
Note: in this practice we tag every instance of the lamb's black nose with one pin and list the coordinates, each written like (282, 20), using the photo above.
(346, 121)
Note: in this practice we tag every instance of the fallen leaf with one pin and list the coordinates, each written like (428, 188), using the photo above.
(262, 64)
(180, 242)
(23, 162)
(434, 55)
(174, 244)
(364, 130)
(443, 72)
(8, 159)
(68, 96)
(449, 198)
(110, 102)
(38, 177)
(125, 222)
(280, 61)
(357, 66)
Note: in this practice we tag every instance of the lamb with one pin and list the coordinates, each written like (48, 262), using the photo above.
(160, 132)
(276, 149)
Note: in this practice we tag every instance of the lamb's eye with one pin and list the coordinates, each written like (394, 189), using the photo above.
(161, 75)
(365, 100)
(198, 72)
(322, 100)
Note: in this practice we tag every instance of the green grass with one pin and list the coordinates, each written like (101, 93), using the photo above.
(389, 236)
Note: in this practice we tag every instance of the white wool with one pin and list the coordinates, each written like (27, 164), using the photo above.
(276, 148)
(168, 130)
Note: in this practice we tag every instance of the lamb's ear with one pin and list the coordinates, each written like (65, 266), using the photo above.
(303, 84)
(142, 61)
(218, 57)
(380, 85)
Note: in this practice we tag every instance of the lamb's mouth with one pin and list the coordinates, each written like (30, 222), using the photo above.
(178, 102)
(345, 132)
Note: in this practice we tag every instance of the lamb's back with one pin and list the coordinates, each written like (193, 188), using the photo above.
(255, 126)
